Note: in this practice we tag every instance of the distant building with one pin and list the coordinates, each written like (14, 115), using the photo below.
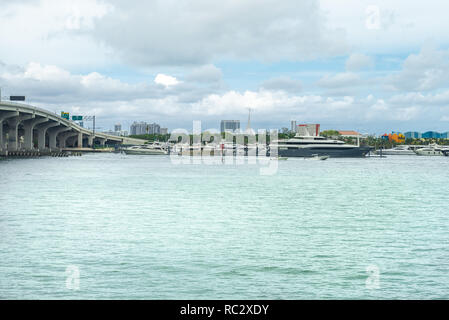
(413, 135)
(230, 125)
(431, 135)
(293, 126)
(350, 134)
(154, 128)
(118, 127)
(164, 131)
(426, 135)
(138, 128)
(394, 136)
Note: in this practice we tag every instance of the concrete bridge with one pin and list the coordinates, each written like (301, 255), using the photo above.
(27, 128)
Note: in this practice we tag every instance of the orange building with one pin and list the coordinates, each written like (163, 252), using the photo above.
(394, 137)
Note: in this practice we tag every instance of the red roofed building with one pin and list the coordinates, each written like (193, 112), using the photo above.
(350, 134)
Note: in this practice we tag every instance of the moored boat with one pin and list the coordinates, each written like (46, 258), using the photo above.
(312, 146)
(398, 150)
(433, 150)
(148, 149)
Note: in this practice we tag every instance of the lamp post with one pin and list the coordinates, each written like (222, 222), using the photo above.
(88, 118)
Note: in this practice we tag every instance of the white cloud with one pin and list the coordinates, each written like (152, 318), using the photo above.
(339, 80)
(173, 101)
(427, 70)
(52, 32)
(417, 98)
(206, 73)
(167, 33)
(282, 83)
(358, 61)
(45, 83)
(166, 80)
(45, 73)
(397, 25)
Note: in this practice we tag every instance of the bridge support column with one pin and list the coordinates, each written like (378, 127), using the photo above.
(4, 116)
(13, 133)
(90, 141)
(2, 138)
(42, 130)
(53, 134)
(28, 135)
(80, 140)
(63, 138)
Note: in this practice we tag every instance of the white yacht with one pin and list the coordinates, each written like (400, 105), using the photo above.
(398, 150)
(433, 150)
(149, 149)
(313, 146)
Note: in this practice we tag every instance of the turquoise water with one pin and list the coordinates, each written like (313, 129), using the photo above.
(143, 227)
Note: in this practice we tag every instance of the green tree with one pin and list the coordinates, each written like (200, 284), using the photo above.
(330, 133)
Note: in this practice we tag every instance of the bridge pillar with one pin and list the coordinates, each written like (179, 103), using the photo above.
(4, 116)
(2, 136)
(42, 130)
(28, 135)
(65, 137)
(90, 141)
(13, 133)
(80, 140)
(53, 134)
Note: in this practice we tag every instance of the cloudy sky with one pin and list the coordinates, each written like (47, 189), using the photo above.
(372, 66)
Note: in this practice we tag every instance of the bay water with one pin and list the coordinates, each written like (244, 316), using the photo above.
(112, 226)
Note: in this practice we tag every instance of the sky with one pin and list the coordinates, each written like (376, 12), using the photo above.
(372, 66)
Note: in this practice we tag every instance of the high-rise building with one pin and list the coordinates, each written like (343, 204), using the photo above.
(117, 127)
(138, 128)
(154, 128)
(164, 130)
(293, 126)
(230, 125)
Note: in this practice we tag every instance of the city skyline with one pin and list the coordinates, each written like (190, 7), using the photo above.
(370, 66)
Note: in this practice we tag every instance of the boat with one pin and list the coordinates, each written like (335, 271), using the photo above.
(399, 150)
(433, 150)
(149, 149)
(317, 146)
(317, 157)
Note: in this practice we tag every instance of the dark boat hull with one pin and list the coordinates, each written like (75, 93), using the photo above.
(355, 152)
